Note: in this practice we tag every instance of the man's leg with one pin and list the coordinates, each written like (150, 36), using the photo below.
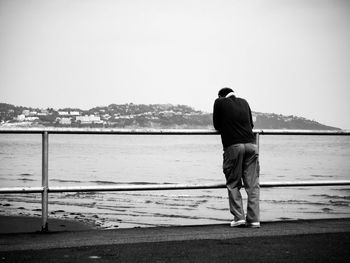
(251, 182)
(232, 167)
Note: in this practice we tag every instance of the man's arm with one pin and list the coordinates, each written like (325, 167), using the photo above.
(216, 117)
(251, 117)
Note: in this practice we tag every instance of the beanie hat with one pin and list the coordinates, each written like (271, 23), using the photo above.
(224, 91)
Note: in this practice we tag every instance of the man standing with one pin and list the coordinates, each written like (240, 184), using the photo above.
(232, 117)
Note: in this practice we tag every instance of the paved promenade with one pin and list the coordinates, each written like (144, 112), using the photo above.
(293, 241)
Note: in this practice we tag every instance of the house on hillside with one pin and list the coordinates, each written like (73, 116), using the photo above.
(65, 121)
(89, 119)
(63, 113)
(74, 113)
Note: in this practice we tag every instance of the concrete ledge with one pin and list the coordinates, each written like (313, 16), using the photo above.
(28, 224)
(70, 239)
(298, 241)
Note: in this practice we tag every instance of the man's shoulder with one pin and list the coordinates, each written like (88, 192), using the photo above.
(242, 100)
(219, 101)
(230, 101)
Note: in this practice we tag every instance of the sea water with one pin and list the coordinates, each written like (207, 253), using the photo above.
(85, 160)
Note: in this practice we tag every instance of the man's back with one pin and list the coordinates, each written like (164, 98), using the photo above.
(233, 119)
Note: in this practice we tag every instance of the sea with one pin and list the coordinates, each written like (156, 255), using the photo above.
(90, 160)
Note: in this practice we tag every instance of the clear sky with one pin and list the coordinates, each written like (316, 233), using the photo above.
(289, 57)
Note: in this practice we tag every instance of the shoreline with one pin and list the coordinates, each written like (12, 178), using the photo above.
(24, 224)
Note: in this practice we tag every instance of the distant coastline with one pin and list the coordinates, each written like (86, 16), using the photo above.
(158, 116)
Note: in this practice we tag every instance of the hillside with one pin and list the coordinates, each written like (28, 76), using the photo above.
(166, 116)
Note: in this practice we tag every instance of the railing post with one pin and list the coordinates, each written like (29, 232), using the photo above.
(257, 141)
(44, 181)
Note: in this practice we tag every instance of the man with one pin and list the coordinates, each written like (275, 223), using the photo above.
(232, 117)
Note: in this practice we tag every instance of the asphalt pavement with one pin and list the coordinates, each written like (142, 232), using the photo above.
(284, 241)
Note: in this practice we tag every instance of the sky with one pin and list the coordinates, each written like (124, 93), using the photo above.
(289, 57)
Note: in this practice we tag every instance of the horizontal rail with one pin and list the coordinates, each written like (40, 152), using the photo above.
(302, 132)
(19, 190)
(164, 131)
(305, 183)
(157, 187)
(108, 131)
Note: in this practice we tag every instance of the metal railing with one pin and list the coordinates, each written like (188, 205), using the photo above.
(45, 189)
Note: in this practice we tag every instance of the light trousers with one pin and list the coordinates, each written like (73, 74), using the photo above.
(241, 163)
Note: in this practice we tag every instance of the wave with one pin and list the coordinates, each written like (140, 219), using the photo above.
(25, 180)
(333, 196)
(26, 174)
(339, 203)
(102, 182)
(285, 218)
(217, 209)
(65, 181)
(342, 189)
(19, 179)
(186, 217)
(327, 211)
(298, 202)
(322, 176)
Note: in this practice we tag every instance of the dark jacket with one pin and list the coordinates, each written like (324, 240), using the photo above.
(232, 117)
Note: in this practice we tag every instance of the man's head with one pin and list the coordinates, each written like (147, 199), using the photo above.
(224, 91)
